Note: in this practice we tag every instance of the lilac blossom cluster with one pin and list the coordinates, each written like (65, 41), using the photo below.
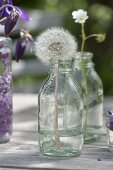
(110, 121)
(9, 15)
(5, 94)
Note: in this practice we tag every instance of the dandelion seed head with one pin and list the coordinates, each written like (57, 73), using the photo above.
(55, 43)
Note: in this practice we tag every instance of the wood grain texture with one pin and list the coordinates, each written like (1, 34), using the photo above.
(22, 152)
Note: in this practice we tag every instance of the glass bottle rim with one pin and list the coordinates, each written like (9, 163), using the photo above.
(83, 59)
(61, 60)
(4, 41)
(85, 55)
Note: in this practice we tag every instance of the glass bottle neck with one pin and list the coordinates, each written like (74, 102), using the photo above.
(61, 66)
(5, 42)
(83, 60)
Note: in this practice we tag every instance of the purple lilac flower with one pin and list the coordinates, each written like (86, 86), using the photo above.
(5, 58)
(5, 104)
(22, 14)
(11, 22)
(10, 14)
(110, 120)
(5, 82)
(4, 13)
(111, 125)
(22, 42)
(6, 114)
(8, 78)
(109, 112)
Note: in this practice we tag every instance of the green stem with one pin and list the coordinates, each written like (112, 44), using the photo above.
(90, 36)
(83, 37)
(57, 135)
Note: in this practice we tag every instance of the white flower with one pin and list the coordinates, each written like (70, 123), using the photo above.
(55, 43)
(80, 16)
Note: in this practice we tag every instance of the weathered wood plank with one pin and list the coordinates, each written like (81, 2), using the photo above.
(22, 152)
(29, 161)
(11, 168)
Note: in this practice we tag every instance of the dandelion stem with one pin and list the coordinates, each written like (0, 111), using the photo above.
(83, 37)
(57, 135)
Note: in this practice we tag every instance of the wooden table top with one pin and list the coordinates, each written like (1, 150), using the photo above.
(22, 151)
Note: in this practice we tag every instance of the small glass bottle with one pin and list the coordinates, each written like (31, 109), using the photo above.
(60, 113)
(5, 90)
(92, 89)
(109, 127)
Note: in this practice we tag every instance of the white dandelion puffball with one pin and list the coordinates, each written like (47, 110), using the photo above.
(55, 43)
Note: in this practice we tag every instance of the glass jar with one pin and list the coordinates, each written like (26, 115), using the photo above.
(92, 89)
(109, 128)
(60, 113)
(5, 90)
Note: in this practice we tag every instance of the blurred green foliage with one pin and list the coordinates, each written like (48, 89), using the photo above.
(100, 20)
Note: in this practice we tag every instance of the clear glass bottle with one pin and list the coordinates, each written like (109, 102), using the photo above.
(92, 89)
(5, 90)
(60, 113)
(109, 127)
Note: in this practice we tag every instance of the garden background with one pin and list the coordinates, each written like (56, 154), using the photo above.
(47, 13)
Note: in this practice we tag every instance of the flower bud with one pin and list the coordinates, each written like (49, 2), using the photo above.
(101, 37)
